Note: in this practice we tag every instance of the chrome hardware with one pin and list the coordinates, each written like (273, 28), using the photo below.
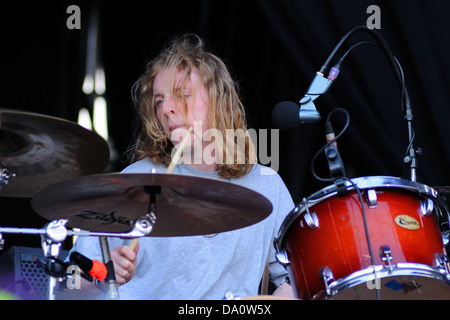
(56, 233)
(427, 206)
(229, 296)
(445, 237)
(144, 225)
(385, 255)
(311, 219)
(282, 258)
(371, 199)
(441, 261)
(5, 176)
(327, 275)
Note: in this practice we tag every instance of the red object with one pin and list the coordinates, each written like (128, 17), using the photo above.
(98, 270)
(339, 242)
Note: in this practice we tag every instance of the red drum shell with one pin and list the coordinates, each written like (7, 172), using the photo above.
(340, 240)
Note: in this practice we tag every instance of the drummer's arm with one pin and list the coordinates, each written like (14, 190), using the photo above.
(285, 291)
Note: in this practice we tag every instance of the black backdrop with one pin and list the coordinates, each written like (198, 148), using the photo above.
(273, 48)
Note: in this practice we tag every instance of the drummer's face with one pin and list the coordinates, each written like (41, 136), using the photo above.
(179, 105)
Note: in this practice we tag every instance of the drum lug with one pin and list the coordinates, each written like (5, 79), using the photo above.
(371, 199)
(445, 237)
(282, 258)
(327, 275)
(311, 219)
(441, 261)
(427, 206)
(386, 257)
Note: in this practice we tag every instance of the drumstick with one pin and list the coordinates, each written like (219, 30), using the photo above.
(172, 165)
(177, 155)
(134, 243)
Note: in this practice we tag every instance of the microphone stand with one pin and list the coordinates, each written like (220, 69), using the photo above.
(413, 153)
(110, 280)
(411, 156)
(55, 234)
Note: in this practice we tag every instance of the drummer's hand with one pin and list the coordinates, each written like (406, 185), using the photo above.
(125, 261)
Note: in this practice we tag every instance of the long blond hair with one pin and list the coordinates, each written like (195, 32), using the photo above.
(226, 112)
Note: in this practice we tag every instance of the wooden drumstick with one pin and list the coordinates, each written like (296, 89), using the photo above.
(177, 155)
(172, 165)
(134, 243)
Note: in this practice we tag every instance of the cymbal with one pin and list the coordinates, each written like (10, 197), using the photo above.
(185, 205)
(41, 150)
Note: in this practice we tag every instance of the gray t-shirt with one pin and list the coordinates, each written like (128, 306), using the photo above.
(202, 267)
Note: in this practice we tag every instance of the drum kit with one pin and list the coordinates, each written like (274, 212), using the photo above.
(374, 237)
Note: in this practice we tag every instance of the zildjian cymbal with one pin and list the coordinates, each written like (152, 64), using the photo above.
(38, 150)
(184, 205)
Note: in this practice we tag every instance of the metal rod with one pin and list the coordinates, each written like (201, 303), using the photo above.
(110, 280)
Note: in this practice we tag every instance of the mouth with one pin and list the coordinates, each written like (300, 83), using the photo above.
(174, 127)
(177, 132)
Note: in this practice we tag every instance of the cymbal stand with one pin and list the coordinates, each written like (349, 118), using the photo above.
(5, 176)
(145, 224)
(56, 233)
(142, 227)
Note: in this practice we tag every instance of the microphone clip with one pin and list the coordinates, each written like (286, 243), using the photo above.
(334, 159)
(308, 112)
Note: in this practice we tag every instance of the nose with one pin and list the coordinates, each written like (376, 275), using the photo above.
(168, 107)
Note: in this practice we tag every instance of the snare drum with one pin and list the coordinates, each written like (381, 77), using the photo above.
(394, 249)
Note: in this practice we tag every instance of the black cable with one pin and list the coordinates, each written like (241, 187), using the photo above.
(341, 60)
(358, 191)
(329, 143)
(383, 45)
(405, 101)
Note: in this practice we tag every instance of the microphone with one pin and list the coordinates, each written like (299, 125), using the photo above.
(285, 115)
(94, 268)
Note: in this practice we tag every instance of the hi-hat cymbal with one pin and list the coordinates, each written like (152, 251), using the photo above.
(185, 205)
(41, 150)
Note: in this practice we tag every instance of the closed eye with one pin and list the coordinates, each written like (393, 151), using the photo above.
(158, 100)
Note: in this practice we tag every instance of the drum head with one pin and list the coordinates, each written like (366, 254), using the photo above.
(397, 288)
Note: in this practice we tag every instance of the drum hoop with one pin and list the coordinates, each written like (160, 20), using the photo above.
(379, 272)
(362, 183)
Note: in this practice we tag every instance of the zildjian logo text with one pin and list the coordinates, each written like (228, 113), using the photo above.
(105, 217)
